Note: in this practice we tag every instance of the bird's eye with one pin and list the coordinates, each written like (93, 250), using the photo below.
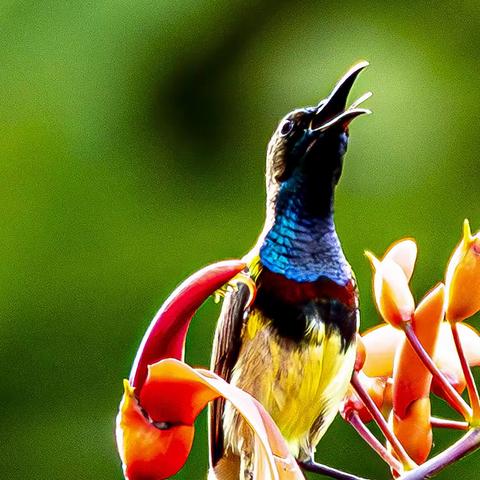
(286, 128)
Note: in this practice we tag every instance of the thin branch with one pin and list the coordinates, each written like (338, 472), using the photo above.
(357, 423)
(381, 422)
(314, 467)
(463, 447)
(447, 423)
(454, 398)
(467, 372)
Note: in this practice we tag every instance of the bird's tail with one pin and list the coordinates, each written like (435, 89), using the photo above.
(228, 468)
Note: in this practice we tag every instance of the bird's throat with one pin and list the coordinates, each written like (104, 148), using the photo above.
(301, 242)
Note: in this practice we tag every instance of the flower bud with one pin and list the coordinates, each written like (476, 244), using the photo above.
(393, 297)
(463, 278)
(376, 389)
(414, 430)
(411, 379)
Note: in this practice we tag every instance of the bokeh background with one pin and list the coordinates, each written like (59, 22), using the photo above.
(132, 140)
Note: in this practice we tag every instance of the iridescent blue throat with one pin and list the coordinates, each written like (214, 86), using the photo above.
(304, 246)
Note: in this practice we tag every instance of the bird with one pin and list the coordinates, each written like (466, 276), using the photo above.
(293, 348)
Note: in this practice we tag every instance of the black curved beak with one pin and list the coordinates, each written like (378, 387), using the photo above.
(331, 111)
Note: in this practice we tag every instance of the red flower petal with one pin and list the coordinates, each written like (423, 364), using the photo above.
(146, 451)
(165, 337)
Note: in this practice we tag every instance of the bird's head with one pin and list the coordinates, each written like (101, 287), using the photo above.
(306, 151)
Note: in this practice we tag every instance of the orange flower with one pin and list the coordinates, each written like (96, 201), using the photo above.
(382, 342)
(379, 391)
(414, 431)
(375, 387)
(463, 277)
(155, 423)
(145, 446)
(156, 430)
(447, 359)
(412, 380)
(149, 449)
(390, 283)
(389, 354)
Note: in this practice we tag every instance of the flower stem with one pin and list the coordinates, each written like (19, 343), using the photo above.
(447, 423)
(467, 372)
(315, 467)
(455, 399)
(356, 422)
(381, 422)
(466, 445)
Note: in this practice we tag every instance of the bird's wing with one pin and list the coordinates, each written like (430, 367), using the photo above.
(226, 348)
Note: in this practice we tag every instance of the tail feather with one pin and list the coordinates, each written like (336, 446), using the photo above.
(228, 468)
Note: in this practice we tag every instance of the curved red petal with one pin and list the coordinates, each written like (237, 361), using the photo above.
(165, 337)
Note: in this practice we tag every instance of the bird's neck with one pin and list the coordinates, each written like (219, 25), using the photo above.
(300, 240)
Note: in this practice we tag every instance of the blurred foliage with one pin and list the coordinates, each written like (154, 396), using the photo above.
(132, 144)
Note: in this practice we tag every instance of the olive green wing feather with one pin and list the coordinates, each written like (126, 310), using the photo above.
(226, 348)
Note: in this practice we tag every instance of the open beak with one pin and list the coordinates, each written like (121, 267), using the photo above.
(331, 111)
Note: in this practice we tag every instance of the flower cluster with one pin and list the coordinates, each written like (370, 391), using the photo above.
(419, 349)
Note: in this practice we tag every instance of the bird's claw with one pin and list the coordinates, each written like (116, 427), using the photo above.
(242, 278)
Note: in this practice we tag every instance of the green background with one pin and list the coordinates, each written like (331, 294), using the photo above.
(132, 140)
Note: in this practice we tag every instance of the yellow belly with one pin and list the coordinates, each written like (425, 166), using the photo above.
(301, 386)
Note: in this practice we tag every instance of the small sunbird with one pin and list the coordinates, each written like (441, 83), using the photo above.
(294, 348)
